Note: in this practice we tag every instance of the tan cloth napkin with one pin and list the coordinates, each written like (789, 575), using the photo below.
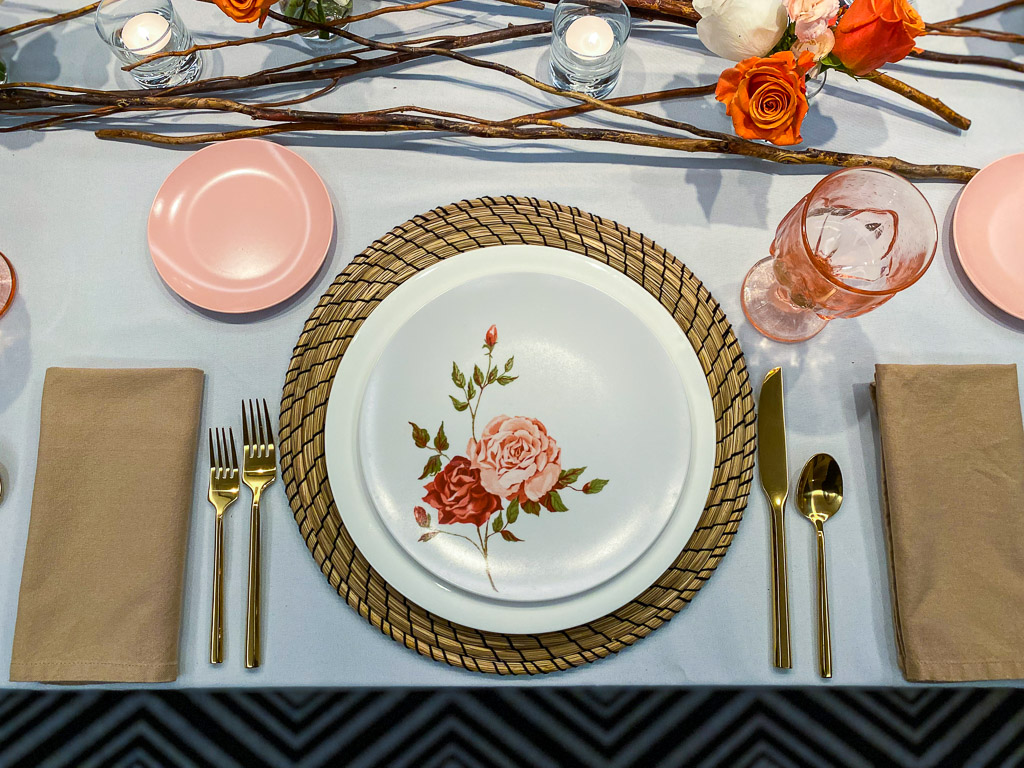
(953, 470)
(101, 587)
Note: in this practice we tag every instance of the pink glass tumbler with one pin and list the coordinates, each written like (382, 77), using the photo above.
(857, 239)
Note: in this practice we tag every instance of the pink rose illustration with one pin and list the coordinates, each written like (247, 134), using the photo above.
(491, 337)
(516, 458)
(457, 495)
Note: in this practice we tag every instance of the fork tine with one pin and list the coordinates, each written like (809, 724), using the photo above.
(252, 430)
(234, 456)
(270, 429)
(220, 453)
(212, 465)
(246, 442)
(259, 418)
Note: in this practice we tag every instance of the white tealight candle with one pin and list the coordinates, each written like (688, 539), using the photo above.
(146, 34)
(590, 36)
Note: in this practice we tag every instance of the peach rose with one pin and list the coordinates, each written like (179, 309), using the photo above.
(811, 17)
(819, 47)
(246, 10)
(767, 98)
(876, 32)
(516, 458)
(457, 495)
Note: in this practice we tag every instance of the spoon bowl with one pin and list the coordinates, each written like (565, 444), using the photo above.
(819, 493)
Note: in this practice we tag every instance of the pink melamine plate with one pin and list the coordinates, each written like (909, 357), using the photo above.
(989, 235)
(240, 226)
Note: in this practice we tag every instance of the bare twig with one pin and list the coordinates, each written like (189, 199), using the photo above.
(956, 58)
(928, 102)
(988, 34)
(386, 123)
(982, 13)
(48, 20)
(296, 29)
(621, 101)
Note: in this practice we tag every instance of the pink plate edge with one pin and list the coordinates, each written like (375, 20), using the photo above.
(965, 263)
(262, 305)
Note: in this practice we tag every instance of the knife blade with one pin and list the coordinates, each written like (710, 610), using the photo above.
(773, 469)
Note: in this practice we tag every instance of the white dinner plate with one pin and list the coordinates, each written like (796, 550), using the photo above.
(561, 487)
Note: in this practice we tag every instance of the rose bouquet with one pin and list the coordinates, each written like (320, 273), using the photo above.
(779, 43)
(514, 466)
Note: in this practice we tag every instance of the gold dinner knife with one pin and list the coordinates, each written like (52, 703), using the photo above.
(771, 459)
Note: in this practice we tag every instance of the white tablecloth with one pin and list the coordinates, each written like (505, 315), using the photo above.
(73, 220)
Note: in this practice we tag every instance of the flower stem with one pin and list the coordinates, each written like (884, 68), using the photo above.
(473, 410)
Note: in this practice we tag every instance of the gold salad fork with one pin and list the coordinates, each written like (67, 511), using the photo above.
(223, 492)
(259, 469)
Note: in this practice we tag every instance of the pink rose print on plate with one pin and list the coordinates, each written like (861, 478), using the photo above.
(515, 460)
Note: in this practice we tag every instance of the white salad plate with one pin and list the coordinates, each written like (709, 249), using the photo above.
(577, 448)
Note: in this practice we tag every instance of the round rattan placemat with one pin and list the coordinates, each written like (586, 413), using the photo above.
(416, 245)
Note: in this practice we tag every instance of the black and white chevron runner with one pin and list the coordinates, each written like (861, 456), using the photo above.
(534, 727)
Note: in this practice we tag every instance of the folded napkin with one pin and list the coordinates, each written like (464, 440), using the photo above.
(953, 471)
(101, 586)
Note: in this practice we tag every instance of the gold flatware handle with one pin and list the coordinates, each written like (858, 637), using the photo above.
(252, 613)
(824, 633)
(783, 655)
(217, 612)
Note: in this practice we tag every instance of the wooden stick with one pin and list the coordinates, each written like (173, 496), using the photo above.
(50, 20)
(982, 13)
(621, 101)
(387, 123)
(988, 34)
(956, 58)
(928, 102)
(294, 30)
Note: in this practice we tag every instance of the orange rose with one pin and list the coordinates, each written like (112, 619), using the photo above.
(767, 98)
(876, 32)
(246, 10)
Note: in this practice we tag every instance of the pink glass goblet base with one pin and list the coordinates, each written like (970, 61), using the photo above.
(770, 312)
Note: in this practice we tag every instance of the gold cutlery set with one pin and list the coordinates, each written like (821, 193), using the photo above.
(819, 496)
(257, 470)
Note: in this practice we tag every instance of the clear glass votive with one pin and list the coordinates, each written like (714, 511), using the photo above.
(588, 39)
(3, 71)
(135, 29)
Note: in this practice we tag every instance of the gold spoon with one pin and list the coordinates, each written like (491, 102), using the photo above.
(819, 495)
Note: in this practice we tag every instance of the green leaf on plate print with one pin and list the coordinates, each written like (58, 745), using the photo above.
(553, 502)
(492, 376)
(458, 378)
(512, 513)
(497, 523)
(420, 436)
(432, 467)
(507, 535)
(569, 476)
(429, 535)
(471, 390)
(459, 404)
(441, 439)
(508, 363)
(595, 486)
(531, 508)
(506, 380)
(478, 376)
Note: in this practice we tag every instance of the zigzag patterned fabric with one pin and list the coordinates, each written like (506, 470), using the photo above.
(538, 727)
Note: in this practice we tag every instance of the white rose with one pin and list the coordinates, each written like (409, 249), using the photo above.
(739, 29)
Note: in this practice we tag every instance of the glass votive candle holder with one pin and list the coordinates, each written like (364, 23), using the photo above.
(588, 39)
(136, 29)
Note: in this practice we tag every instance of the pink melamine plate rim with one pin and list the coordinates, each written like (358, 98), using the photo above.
(226, 300)
(974, 256)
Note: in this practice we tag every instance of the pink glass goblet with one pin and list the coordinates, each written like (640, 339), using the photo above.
(857, 239)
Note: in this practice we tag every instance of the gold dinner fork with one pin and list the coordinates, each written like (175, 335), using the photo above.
(259, 469)
(223, 492)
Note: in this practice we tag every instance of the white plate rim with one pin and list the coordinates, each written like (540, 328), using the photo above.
(359, 513)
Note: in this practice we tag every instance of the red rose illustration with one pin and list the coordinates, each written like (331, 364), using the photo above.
(458, 496)
(492, 336)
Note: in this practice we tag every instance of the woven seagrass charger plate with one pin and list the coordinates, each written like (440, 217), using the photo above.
(367, 281)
